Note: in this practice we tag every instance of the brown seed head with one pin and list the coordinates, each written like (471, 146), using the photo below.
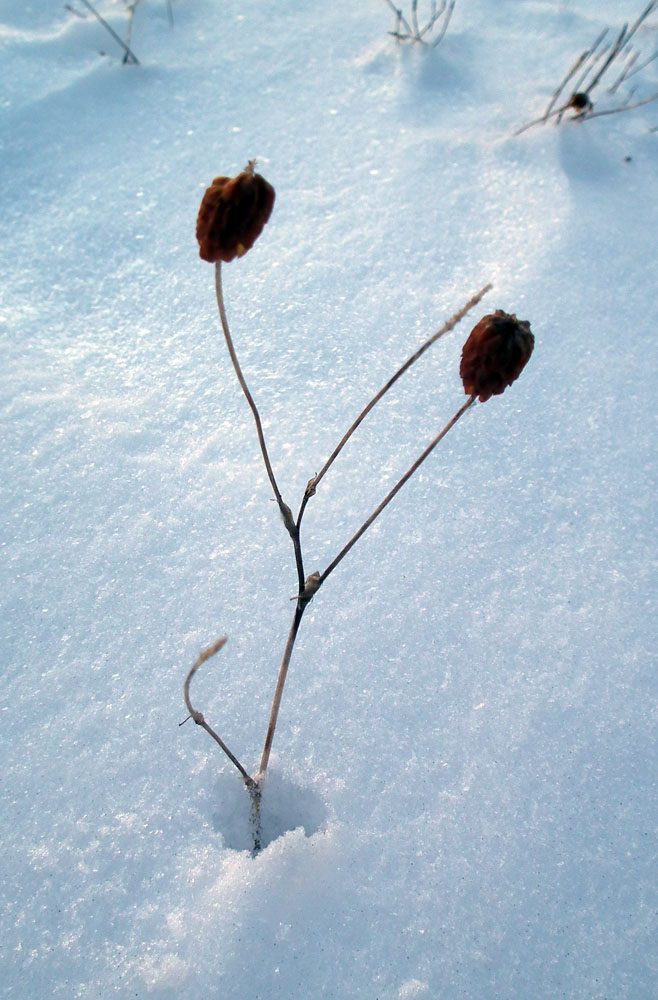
(232, 215)
(495, 354)
(580, 102)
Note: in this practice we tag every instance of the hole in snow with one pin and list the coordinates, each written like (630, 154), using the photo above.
(284, 806)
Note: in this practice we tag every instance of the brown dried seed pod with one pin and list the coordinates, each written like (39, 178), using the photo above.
(232, 215)
(495, 354)
(580, 102)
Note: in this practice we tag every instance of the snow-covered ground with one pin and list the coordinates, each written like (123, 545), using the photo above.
(461, 800)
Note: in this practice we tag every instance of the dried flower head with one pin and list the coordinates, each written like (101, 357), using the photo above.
(495, 354)
(232, 214)
(580, 102)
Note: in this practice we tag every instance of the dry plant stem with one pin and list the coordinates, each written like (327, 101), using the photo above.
(280, 682)
(414, 17)
(131, 17)
(585, 116)
(444, 27)
(447, 326)
(130, 56)
(625, 73)
(592, 57)
(560, 87)
(617, 46)
(638, 69)
(624, 107)
(283, 507)
(252, 786)
(551, 110)
(539, 121)
(198, 717)
(621, 42)
(401, 18)
(396, 489)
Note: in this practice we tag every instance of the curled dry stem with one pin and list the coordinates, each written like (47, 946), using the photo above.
(198, 717)
(253, 787)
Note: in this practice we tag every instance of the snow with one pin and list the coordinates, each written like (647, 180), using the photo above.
(461, 798)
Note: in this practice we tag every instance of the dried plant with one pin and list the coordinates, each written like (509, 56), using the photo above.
(129, 56)
(232, 215)
(587, 74)
(429, 32)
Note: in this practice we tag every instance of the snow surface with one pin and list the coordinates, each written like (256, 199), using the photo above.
(461, 800)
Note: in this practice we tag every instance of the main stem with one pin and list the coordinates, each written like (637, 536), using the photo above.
(312, 588)
(291, 527)
(278, 691)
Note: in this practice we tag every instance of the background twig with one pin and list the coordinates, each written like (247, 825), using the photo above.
(414, 32)
(130, 56)
(594, 63)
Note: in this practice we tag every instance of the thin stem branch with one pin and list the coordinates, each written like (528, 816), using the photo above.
(281, 680)
(396, 489)
(198, 717)
(594, 58)
(540, 121)
(444, 27)
(400, 17)
(630, 62)
(414, 18)
(620, 43)
(638, 69)
(131, 17)
(624, 107)
(447, 326)
(286, 513)
(617, 47)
